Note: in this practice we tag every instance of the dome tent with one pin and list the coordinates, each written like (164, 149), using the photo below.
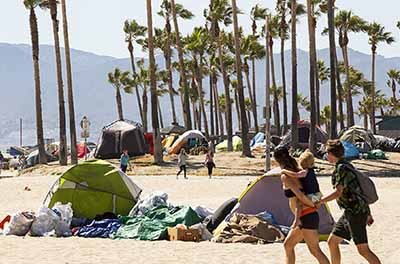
(357, 134)
(94, 187)
(120, 135)
(304, 135)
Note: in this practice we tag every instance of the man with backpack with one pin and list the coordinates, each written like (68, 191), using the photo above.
(353, 193)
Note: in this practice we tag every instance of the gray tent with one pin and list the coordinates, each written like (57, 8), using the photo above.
(304, 135)
(121, 135)
(266, 194)
(33, 158)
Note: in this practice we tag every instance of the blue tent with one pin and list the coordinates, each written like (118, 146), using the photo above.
(350, 151)
(258, 138)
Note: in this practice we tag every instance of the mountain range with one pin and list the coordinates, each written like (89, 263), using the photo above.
(95, 97)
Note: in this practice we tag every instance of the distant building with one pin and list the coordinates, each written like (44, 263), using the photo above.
(389, 126)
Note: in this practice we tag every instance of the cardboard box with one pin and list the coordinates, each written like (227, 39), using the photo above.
(180, 234)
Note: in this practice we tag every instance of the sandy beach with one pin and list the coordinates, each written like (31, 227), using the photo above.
(383, 235)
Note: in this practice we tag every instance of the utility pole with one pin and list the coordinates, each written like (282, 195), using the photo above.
(20, 132)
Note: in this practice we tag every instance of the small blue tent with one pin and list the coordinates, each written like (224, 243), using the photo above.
(258, 138)
(350, 151)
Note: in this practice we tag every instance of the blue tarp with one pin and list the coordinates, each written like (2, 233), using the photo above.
(258, 138)
(350, 151)
(101, 229)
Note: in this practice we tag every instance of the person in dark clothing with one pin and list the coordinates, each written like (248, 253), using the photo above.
(357, 214)
(209, 162)
(182, 157)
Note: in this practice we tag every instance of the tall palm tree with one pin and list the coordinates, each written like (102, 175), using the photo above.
(158, 156)
(197, 43)
(31, 5)
(283, 9)
(313, 59)
(323, 76)
(332, 60)
(295, 110)
(377, 35)
(345, 23)
(142, 79)
(117, 79)
(133, 32)
(61, 101)
(186, 109)
(257, 13)
(71, 108)
(245, 129)
(394, 77)
(166, 13)
(221, 12)
(273, 28)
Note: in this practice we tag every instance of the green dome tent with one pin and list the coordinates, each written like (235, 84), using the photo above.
(94, 187)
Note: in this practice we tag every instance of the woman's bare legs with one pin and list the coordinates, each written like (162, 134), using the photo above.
(294, 237)
(311, 238)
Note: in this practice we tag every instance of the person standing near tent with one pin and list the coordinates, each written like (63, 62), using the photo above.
(309, 218)
(357, 214)
(182, 157)
(124, 161)
(1, 161)
(209, 162)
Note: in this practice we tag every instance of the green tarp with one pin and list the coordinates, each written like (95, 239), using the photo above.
(153, 225)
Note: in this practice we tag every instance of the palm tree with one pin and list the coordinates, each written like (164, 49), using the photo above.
(61, 101)
(186, 109)
(257, 13)
(197, 43)
(323, 76)
(332, 59)
(245, 129)
(166, 13)
(158, 156)
(222, 12)
(345, 23)
(394, 77)
(117, 79)
(72, 129)
(142, 79)
(133, 32)
(377, 35)
(295, 110)
(31, 5)
(326, 117)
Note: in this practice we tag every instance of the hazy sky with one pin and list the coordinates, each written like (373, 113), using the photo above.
(96, 25)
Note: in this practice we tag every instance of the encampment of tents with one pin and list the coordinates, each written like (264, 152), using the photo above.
(265, 195)
(304, 135)
(93, 188)
(357, 135)
(33, 158)
(187, 139)
(236, 143)
(121, 135)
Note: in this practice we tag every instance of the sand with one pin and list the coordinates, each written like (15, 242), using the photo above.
(383, 235)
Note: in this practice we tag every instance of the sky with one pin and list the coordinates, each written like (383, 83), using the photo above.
(96, 25)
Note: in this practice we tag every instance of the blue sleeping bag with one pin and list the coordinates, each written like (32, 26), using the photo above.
(258, 138)
(100, 229)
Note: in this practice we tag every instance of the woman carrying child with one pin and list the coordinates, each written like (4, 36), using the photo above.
(299, 192)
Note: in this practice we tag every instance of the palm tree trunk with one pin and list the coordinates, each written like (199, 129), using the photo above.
(160, 114)
(349, 99)
(340, 94)
(201, 96)
(253, 75)
(366, 121)
(372, 117)
(216, 103)
(211, 105)
(168, 64)
(195, 116)
(72, 129)
(285, 112)
(295, 110)
(247, 74)
(61, 101)
(277, 119)
(220, 120)
(130, 48)
(238, 110)
(312, 48)
(145, 108)
(228, 107)
(332, 53)
(267, 128)
(186, 109)
(38, 99)
(245, 129)
(158, 156)
(317, 99)
(118, 98)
